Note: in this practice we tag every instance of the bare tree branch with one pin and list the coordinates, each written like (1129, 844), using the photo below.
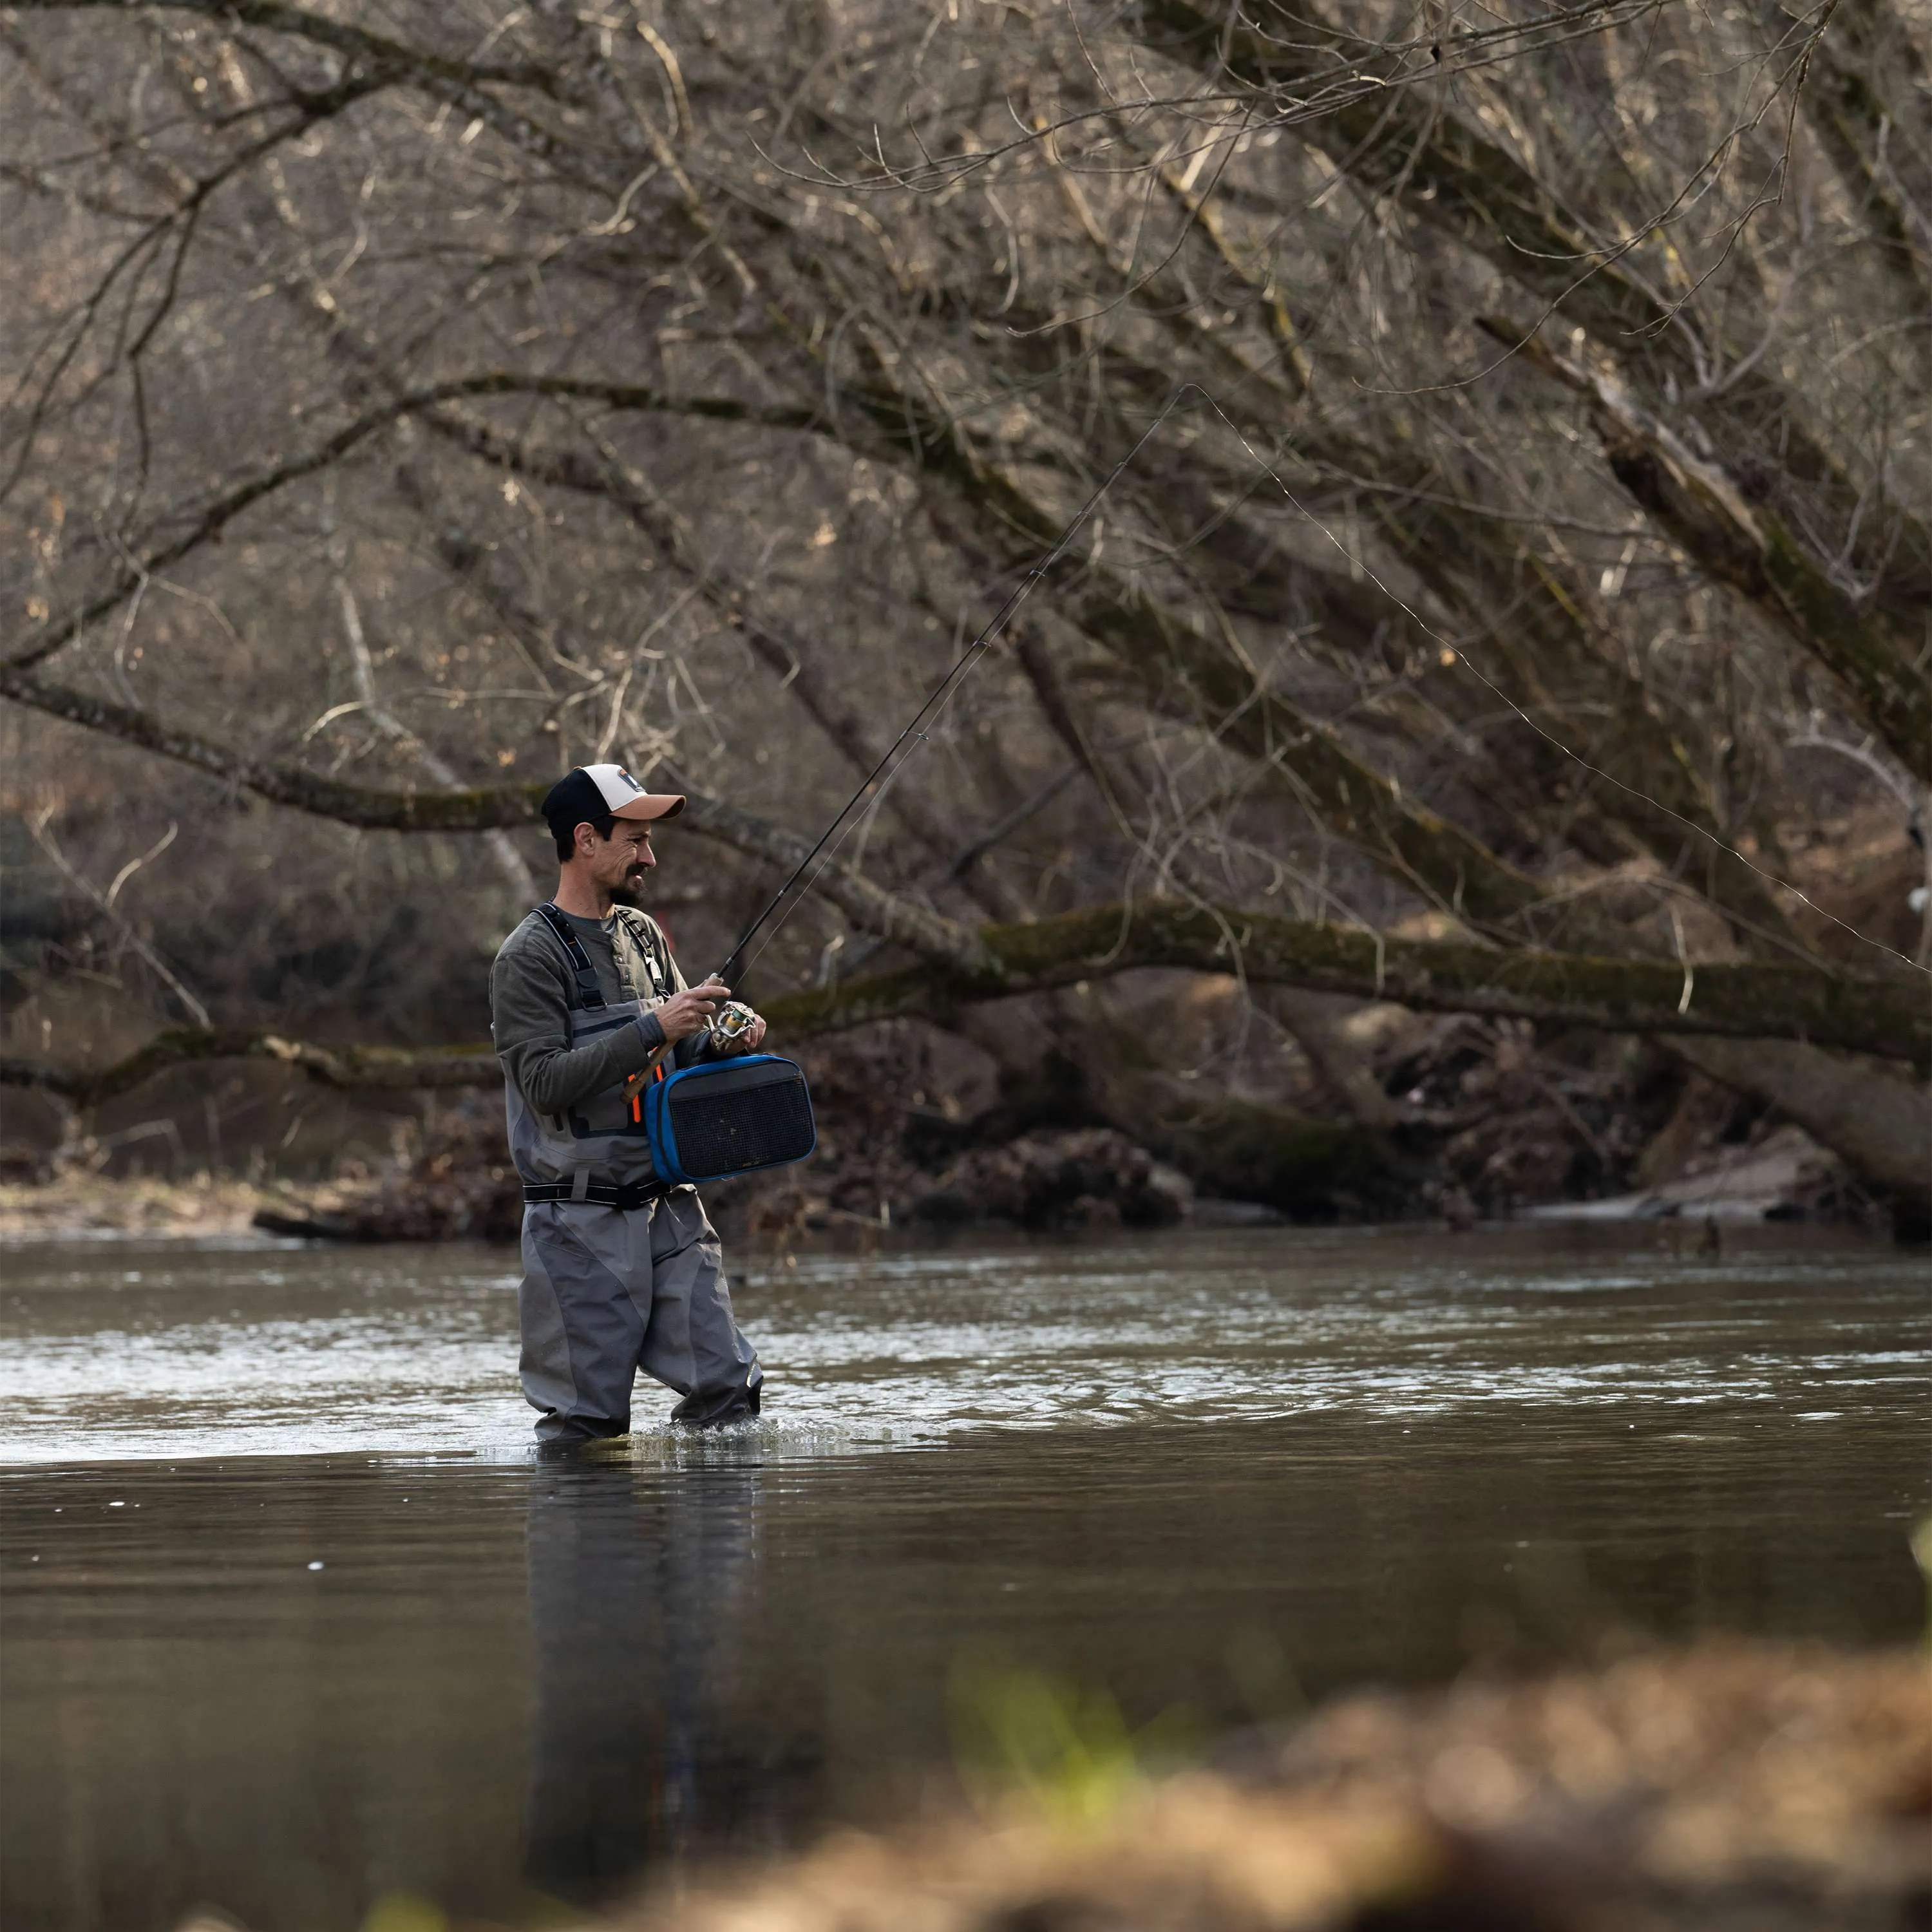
(1446, 174)
(205, 524)
(1748, 547)
(481, 808)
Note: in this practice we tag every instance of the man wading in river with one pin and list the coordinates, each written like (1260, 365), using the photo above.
(621, 1271)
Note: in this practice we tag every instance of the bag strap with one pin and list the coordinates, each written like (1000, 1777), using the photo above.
(588, 990)
(646, 936)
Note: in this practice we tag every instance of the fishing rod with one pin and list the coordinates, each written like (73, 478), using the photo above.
(911, 736)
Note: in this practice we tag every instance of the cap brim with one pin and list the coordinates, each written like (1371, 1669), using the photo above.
(650, 804)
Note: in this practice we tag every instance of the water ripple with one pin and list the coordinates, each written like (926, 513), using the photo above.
(231, 1351)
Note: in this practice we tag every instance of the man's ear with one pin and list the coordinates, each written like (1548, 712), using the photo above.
(586, 836)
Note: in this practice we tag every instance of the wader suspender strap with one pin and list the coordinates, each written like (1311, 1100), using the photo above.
(591, 994)
(588, 990)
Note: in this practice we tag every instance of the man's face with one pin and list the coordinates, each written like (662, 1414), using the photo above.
(619, 862)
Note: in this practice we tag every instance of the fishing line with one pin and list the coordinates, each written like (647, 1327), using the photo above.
(1460, 654)
(912, 736)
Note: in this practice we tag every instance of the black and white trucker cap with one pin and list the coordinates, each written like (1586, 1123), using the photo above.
(590, 791)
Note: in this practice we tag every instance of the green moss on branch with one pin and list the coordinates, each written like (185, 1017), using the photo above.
(1890, 1017)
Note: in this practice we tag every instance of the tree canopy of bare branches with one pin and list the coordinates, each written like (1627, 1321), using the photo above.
(1525, 549)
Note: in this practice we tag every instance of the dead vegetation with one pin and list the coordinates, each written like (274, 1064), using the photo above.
(1477, 1122)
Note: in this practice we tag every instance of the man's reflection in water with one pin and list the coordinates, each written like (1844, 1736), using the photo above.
(638, 1579)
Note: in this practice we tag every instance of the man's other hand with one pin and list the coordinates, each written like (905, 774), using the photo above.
(689, 1012)
(750, 1039)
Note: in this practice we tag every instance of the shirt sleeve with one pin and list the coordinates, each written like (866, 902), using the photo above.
(529, 1005)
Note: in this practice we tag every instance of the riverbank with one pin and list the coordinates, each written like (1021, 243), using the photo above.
(1416, 1119)
(78, 1204)
(1080, 1180)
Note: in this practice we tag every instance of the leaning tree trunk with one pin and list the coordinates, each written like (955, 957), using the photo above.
(1878, 1122)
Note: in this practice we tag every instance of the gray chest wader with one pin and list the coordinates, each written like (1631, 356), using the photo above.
(614, 1112)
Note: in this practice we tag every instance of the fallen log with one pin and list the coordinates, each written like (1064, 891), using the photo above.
(1890, 1017)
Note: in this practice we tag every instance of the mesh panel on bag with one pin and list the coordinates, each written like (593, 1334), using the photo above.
(746, 1126)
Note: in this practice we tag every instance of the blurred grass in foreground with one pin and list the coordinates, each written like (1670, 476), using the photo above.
(1064, 1750)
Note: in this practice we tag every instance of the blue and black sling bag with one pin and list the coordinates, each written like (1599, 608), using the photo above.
(718, 1118)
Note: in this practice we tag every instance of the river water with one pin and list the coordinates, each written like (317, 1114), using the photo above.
(291, 1623)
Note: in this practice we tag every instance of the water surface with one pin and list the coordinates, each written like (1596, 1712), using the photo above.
(293, 1623)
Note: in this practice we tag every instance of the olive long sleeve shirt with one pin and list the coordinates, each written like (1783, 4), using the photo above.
(533, 986)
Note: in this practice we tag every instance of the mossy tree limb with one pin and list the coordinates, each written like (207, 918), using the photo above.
(1890, 1017)
(368, 1068)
